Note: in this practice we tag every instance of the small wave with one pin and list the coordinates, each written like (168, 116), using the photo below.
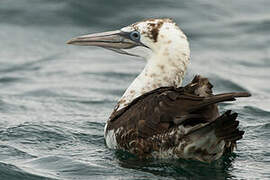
(63, 167)
(6, 80)
(8, 152)
(90, 101)
(256, 111)
(113, 75)
(30, 66)
(40, 93)
(255, 25)
(34, 134)
(9, 171)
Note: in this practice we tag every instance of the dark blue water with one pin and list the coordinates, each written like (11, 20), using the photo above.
(55, 98)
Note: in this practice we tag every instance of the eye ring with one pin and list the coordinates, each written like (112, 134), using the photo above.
(135, 35)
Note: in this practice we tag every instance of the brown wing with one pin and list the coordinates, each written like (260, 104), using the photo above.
(164, 108)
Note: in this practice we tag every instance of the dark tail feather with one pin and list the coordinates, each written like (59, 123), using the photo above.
(226, 127)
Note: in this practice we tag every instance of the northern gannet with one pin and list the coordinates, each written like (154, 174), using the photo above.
(156, 117)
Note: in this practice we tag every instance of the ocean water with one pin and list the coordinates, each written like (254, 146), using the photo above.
(56, 98)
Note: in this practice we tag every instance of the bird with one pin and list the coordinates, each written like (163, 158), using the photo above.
(157, 117)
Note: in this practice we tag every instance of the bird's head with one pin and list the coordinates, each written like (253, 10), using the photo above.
(140, 39)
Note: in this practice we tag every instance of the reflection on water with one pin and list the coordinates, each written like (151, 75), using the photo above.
(55, 98)
(180, 169)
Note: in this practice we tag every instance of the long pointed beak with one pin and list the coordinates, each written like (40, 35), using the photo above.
(110, 40)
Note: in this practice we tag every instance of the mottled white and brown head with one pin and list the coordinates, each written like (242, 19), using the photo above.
(142, 39)
(160, 41)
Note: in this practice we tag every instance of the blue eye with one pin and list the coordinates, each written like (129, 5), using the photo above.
(135, 35)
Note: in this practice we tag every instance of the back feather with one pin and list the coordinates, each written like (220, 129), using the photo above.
(185, 121)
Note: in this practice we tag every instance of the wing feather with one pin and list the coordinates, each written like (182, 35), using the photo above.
(163, 110)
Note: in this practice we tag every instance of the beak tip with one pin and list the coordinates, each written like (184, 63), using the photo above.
(70, 41)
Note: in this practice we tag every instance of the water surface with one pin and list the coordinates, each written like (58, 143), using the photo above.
(55, 98)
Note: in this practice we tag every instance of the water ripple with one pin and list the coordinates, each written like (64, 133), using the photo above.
(56, 98)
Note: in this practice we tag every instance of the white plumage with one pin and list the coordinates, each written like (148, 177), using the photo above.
(166, 62)
(156, 117)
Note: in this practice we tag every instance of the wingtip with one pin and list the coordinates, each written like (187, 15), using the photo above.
(241, 94)
(244, 94)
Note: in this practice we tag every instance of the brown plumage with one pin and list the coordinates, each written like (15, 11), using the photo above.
(179, 122)
(151, 120)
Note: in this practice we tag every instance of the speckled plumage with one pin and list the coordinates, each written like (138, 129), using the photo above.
(166, 63)
(156, 118)
(173, 122)
(148, 123)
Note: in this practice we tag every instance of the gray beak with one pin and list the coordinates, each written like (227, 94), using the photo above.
(114, 40)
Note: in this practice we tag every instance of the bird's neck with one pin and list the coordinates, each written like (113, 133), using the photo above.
(162, 69)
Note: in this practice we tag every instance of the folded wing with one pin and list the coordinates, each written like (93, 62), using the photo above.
(188, 112)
